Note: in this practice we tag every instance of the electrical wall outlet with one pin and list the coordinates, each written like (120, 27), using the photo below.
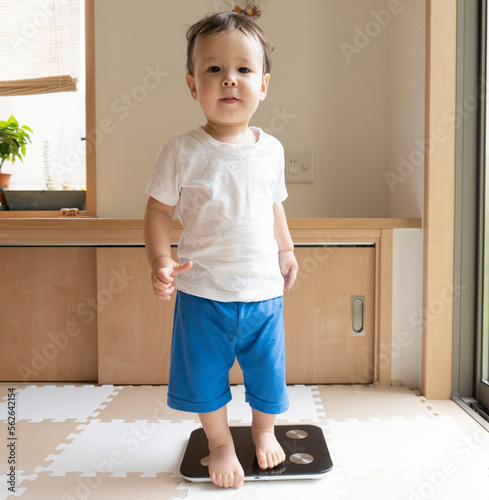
(299, 166)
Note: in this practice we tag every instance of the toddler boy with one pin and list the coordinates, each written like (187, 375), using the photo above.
(236, 256)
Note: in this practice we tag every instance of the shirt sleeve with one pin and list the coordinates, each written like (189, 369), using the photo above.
(164, 183)
(280, 193)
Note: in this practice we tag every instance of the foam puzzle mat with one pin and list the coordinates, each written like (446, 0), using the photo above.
(89, 442)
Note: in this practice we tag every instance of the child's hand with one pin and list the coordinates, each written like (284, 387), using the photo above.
(288, 267)
(163, 272)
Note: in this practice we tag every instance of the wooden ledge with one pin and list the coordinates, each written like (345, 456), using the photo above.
(312, 223)
(93, 231)
(354, 223)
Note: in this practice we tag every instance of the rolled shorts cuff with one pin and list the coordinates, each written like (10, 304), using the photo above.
(196, 407)
(266, 407)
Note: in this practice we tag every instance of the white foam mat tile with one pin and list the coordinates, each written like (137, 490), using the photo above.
(476, 434)
(59, 403)
(462, 484)
(118, 447)
(393, 445)
(434, 485)
(304, 405)
(238, 408)
(330, 488)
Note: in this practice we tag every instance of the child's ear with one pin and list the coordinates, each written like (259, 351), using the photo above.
(264, 86)
(191, 85)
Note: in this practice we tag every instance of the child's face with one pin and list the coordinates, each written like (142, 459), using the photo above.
(228, 79)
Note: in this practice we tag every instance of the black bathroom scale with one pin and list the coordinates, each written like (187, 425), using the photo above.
(307, 455)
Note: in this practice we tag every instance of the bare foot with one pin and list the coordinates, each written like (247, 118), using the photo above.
(269, 453)
(224, 467)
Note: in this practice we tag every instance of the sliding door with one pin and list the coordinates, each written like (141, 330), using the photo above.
(482, 382)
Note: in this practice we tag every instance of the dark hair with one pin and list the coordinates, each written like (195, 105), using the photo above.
(224, 21)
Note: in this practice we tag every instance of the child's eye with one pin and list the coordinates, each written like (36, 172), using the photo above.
(214, 69)
(244, 70)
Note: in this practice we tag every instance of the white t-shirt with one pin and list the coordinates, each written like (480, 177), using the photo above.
(224, 194)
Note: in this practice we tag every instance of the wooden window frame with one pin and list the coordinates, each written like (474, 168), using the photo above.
(91, 194)
(439, 198)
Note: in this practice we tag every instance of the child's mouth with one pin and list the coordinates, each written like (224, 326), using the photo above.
(229, 100)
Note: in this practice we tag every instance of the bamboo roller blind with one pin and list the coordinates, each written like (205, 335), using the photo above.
(39, 46)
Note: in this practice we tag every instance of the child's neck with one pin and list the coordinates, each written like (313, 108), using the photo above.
(240, 134)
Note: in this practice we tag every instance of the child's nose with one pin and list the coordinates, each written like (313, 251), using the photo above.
(229, 81)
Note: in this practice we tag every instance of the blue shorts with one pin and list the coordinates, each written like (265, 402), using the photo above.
(207, 337)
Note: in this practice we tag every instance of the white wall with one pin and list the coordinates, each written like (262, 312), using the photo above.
(332, 78)
(407, 306)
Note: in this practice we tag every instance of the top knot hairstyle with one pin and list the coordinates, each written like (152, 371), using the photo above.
(214, 24)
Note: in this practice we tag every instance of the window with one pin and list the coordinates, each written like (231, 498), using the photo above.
(471, 284)
(46, 75)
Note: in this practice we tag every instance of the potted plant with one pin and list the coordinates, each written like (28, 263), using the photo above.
(13, 141)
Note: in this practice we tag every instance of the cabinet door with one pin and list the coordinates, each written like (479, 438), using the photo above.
(48, 327)
(134, 327)
(320, 347)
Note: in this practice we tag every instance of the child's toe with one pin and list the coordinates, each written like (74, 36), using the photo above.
(239, 479)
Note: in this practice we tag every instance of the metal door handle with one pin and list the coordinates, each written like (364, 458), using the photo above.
(358, 315)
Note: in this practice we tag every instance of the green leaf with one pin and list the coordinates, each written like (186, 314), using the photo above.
(13, 121)
(13, 140)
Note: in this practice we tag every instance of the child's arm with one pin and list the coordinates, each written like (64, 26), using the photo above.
(157, 231)
(286, 257)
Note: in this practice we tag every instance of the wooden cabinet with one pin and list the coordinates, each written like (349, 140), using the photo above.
(135, 327)
(48, 314)
(321, 346)
(88, 313)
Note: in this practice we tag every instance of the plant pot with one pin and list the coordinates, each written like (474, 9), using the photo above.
(45, 200)
(4, 181)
